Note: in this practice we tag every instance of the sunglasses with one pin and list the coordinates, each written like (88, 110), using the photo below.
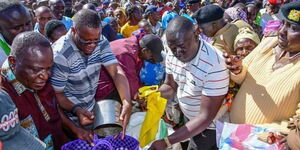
(84, 42)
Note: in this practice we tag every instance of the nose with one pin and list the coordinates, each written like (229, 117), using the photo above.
(44, 75)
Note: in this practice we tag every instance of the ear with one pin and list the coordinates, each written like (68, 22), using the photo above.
(73, 29)
(144, 50)
(11, 61)
(197, 30)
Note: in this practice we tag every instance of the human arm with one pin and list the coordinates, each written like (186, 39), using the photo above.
(208, 110)
(168, 88)
(60, 73)
(80, 133)
(122, 85)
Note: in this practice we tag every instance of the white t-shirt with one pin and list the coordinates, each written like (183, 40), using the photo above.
(205, 75)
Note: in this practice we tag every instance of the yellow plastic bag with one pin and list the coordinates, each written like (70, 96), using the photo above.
(155, 109)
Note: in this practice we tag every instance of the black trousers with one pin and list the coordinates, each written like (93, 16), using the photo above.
(204, 141)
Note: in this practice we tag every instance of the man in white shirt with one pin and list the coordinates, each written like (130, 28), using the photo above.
(197, 74)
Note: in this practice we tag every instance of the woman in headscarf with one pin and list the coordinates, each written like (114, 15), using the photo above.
(121, 17)
(245, 42)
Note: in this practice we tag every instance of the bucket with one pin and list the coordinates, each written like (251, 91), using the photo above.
(108, 122)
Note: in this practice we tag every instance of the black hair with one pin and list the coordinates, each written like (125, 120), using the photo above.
(25, 40)
(180, 24)
(130, 9)
(51, 26)
(86, 17)
(8, 4)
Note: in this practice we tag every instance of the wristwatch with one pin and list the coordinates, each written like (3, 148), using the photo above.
(169, 145)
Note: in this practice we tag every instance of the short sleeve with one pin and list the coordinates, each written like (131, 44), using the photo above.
(106, 56)
(217, 79)
(60, 73)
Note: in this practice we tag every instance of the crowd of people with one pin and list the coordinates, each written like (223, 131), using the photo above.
(59, 58)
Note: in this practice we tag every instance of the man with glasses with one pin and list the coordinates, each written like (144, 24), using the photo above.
(78, 58)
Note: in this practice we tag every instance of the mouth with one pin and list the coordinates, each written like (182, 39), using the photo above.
(40, 84)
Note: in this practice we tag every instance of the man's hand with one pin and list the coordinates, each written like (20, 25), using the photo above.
(83, 134)
(234, 63)
(125, 115)
(158, 145)
(85, 117)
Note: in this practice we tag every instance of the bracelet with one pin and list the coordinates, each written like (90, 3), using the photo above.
(169, 145)
(74, 108)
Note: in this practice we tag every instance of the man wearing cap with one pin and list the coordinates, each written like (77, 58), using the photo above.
(269, 78)
(14, 19)
(12, 135)
(210, 21)
(131, 54)
(153, 16)
(197, 75)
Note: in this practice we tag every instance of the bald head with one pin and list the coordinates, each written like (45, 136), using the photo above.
(179, 25)
(42, 9)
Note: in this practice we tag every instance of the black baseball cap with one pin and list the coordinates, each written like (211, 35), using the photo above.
(290, 12)
(154, 44)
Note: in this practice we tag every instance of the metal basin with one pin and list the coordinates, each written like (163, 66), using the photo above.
(107, 123)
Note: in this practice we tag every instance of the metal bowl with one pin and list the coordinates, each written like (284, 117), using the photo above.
(108, 122)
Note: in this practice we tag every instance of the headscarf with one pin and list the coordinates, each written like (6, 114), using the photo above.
(166, 18)
(246, 33)
(236, 13)
(120, 9)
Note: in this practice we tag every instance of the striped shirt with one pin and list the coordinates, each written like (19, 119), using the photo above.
(76, 74)
(205, 75)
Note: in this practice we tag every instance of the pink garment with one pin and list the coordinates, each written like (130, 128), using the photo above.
(127, 53)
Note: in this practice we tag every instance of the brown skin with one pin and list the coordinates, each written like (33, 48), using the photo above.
(154, 18)
(211, 28)
(251, 14)
(87, 34)
(121, 18)
(184, 48)
(57, 33)
(135, 17)
(191, 8)
(114, 70)
(244, 47)
(288, 38)
(33, 73)
(42, 17)
(13, 22)
(114, 25)
(288, 41)
(209, 104)
(57, 7)
(272, 9)
(145, 25)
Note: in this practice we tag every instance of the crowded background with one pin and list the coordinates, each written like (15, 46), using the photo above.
(149, 74)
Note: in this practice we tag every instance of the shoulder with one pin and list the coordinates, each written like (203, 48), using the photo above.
(211, 54)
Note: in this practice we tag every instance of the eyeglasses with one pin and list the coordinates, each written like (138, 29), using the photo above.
(84, 42)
